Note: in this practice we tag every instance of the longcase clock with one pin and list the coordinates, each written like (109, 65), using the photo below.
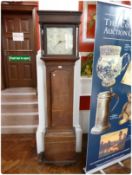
(59, 43)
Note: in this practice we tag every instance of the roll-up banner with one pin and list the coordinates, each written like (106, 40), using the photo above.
(110, 116)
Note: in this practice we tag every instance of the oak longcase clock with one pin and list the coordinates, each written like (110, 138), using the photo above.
(59, 44)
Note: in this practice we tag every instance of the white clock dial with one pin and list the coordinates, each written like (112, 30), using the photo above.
(60, 40)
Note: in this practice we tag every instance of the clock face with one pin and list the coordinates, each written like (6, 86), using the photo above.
(59, 40)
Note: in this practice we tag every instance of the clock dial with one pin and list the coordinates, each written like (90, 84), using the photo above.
(59, 40)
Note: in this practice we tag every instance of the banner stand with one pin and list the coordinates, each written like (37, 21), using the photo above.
(101, 168)
(109, 134)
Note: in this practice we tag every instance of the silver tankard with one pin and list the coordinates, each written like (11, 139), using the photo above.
(103, 110)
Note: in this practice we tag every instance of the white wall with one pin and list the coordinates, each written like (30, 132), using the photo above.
(84, 120)
(67, 5)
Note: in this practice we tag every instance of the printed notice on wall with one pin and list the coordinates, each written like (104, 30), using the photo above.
(18, 36)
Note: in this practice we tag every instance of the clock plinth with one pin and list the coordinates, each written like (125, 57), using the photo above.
(59, 43)
(60, 147)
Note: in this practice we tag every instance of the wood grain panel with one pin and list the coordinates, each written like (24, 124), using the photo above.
(10, 25)
(10, 45)
(25, 25)
(27, 71)
(13, 72)
(61, 98)
(55, 149)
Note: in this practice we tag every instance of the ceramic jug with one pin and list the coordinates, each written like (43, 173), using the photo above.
(109, 65)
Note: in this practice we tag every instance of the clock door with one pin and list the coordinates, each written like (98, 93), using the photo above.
(60, 95)
(61, 98)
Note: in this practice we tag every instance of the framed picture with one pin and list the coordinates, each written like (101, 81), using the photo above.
(87, 27)
(86, 64)
(89, 9)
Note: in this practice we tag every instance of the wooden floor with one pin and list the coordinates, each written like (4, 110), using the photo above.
(19, 157)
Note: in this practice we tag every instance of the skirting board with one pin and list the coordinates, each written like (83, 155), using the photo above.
(107, 164)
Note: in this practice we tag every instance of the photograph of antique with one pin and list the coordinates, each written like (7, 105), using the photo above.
(110, 64)
(103, 111)
(125, 115)
(112, 142)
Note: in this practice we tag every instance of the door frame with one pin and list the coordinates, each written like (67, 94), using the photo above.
(19, 7)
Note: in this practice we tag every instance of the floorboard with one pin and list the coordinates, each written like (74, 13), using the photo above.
(19, 157)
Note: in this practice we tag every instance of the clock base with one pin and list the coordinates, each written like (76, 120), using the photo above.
(60, 147)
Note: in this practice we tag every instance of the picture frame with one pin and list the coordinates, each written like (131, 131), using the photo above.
(87, 26)
(86, 64)
(89, 20)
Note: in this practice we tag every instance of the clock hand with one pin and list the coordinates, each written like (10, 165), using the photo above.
(59, 42)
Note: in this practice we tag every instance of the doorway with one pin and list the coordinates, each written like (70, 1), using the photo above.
(19, 44)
